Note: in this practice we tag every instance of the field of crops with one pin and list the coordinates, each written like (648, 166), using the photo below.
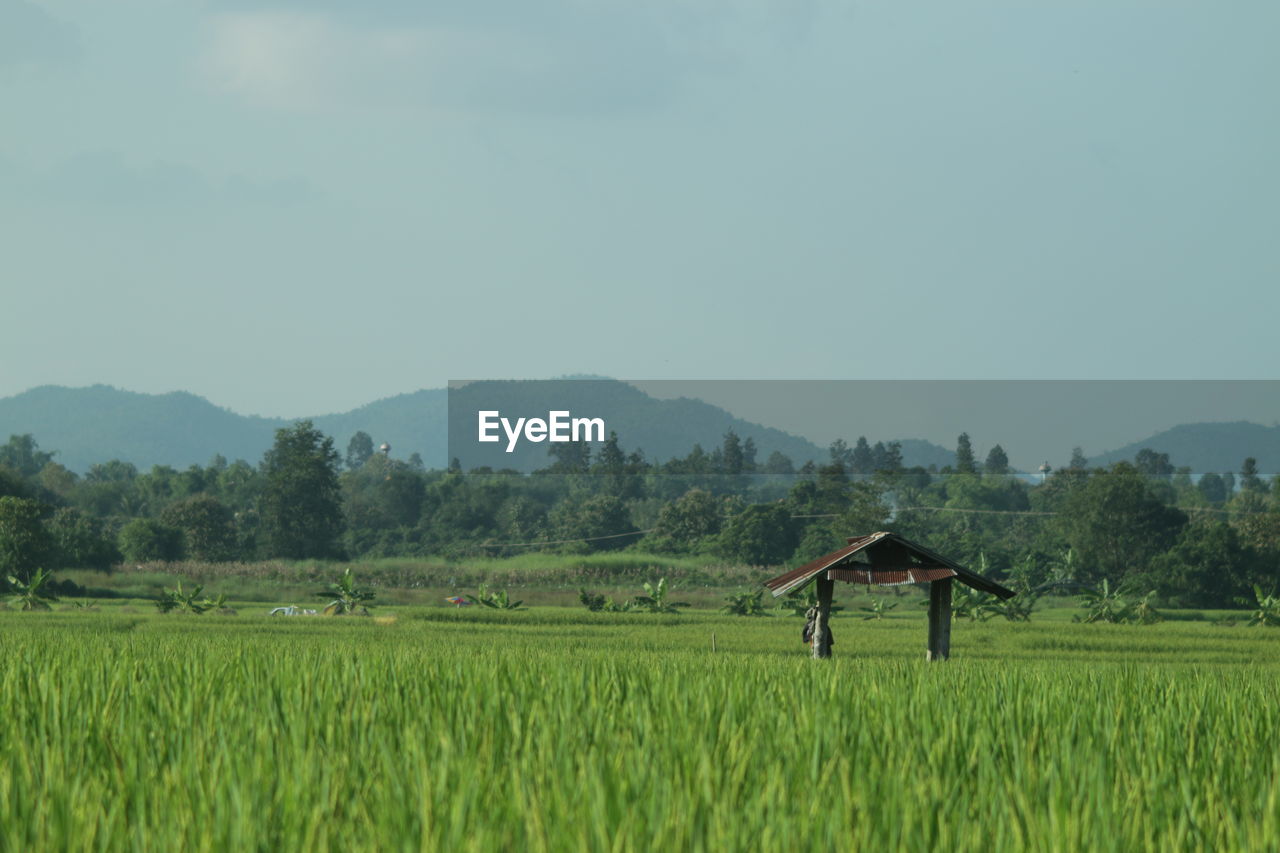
(558, 729)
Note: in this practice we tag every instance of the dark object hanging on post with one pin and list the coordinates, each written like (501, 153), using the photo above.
(806, 633)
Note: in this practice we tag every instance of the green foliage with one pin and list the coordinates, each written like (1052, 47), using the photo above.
(971, 604)
(494, 600)
(359, 450)
(590, 519)
(1018, 608)
(81, 541)
(745, 604)
(145, 540)
(683, 523)
(23, 455)
(207, 527)
(877, 608)
(345, 598)
(761, 535)
(654, 599)
(24, 541)
(189, 601)
(1144, 612)
(300, 509)
(34, 592)
(965, 461)
(1267, 612)
(1106, 605)
(596, 602)
(1117, 523)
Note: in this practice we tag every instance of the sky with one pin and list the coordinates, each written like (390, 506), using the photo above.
(298, 207)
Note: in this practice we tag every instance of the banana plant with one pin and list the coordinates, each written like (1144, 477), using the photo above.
(877, 608)
(32, 594)
(345, 598)
(1145, 613)
(1268, 610)
(496, 600)
(1104, 605)
(654, 599)
(745, 604)
(972, 604)
(184, 601)
(1018, 608)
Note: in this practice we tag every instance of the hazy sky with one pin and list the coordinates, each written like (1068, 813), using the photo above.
(298, 207)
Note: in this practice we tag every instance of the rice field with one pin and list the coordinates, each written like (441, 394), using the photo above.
(558, 729)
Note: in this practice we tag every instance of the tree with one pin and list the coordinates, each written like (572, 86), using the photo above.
(1152, 464)
(1117, 524)
(1249, 479)
(1208, 567)
(683, 523)
(862, 462)
(207, 527)
(997, 462)
(592, 519)
(965, 462)
(841, 455)
(25, 544)
(761, 535)
(24, 455)
(359, 450)
(1078, 460)
(779, 463)
(145, 540)
(1212, 487)
(300, 507)
(80, 541)
(731, 454)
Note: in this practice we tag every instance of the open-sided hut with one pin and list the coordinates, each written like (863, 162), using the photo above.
(885, 559)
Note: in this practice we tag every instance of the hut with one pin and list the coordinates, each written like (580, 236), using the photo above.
(885, 559)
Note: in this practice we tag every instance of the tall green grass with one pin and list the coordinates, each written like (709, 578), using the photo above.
(566, 730)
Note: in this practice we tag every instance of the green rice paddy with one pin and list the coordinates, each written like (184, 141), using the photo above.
(558, 729)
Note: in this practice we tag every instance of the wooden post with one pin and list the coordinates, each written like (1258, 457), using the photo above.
(821, 648)
(939, 621)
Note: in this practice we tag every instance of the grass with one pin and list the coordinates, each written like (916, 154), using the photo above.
(540, 578)
(559, 729)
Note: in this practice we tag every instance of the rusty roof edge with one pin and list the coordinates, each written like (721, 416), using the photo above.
(964, 575)
(968, 576)
(820, 564)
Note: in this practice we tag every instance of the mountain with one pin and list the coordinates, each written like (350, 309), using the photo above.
(661, 428)
(95, 424)
(1205, 447)
(99, 423)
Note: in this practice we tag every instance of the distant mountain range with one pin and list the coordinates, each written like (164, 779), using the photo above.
(95, 424)
(99, 423)
(1217, 447)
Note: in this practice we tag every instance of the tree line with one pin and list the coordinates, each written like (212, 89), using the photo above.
(1145, 525)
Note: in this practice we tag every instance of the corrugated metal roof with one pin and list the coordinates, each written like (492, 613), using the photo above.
(889, 577)
(784, 583)
(889, 555)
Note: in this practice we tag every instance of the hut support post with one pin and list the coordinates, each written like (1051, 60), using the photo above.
(822, 648)
(939, 620)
